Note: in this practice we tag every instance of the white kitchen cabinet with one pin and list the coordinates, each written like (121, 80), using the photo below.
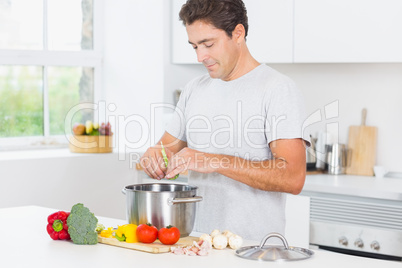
(182, 51)
(270, 37)
(297, 212)
(348, 31)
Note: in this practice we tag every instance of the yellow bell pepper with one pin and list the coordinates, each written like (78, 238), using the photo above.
(107, 233)
(129, 231)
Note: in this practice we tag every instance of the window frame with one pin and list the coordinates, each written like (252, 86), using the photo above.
(45, 58)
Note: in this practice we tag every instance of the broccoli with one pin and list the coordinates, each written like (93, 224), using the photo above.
(81, 225)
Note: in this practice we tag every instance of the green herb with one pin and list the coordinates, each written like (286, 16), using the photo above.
(166, 160)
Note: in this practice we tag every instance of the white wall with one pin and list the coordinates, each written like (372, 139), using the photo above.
(377, 87)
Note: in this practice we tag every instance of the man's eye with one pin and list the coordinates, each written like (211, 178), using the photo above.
(194, 47)
(209, 45)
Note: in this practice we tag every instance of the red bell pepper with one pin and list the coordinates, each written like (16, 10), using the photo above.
(57, 225)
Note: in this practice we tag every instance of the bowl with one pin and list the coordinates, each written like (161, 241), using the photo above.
(91, 144)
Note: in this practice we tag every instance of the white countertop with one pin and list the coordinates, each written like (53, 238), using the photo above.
(25, 243)
(362, 186)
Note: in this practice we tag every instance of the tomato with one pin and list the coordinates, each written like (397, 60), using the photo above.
(169, 235)
(146, 233)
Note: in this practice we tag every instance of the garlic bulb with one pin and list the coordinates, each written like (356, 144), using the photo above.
(206, 237)
(235, 241)
(215, 232)
(220, 241)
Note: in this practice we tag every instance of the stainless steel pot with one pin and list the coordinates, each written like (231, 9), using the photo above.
(162, 204)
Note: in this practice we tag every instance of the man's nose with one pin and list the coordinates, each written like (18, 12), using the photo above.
(201, 54)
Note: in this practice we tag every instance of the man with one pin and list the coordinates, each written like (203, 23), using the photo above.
(237, 129)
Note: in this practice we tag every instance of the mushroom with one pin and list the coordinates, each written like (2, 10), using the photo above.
(235, 241)
(215, 232)
(220, 241)
(227, 233)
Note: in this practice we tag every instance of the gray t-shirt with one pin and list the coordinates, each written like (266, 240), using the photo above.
(239, 118)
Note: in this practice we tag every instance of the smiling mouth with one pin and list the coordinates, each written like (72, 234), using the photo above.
(210, 66)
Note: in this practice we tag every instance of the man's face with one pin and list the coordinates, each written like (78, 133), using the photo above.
(215, 49)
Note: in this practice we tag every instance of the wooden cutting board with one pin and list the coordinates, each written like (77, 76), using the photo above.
(155, 247)
(362, 147)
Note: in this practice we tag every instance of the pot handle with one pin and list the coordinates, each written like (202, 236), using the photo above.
(123, 191)
(179, 200)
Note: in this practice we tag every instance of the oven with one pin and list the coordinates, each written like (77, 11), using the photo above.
(360, 226)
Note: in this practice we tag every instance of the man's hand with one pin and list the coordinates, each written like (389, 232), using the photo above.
(152, 162)
(190, 159)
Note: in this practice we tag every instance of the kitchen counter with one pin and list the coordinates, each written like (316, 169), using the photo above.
(26, 243)
(361, 186)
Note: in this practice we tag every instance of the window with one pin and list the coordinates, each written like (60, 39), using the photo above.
(50, 62)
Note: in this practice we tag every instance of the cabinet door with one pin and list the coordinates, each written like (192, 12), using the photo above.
(348, 31)
(297, 231)
(182, 51)
(270, 36)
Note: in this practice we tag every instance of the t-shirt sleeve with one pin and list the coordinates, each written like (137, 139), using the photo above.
(285, 112)
(177, 125)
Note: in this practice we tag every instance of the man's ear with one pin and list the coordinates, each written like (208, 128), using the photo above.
(239, 33)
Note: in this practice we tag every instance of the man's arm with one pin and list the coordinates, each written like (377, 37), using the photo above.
(285, 173)
(152, 160)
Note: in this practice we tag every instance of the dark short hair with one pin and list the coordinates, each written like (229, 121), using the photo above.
(222, 14)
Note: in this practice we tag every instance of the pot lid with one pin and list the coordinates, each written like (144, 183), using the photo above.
(273, 252)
